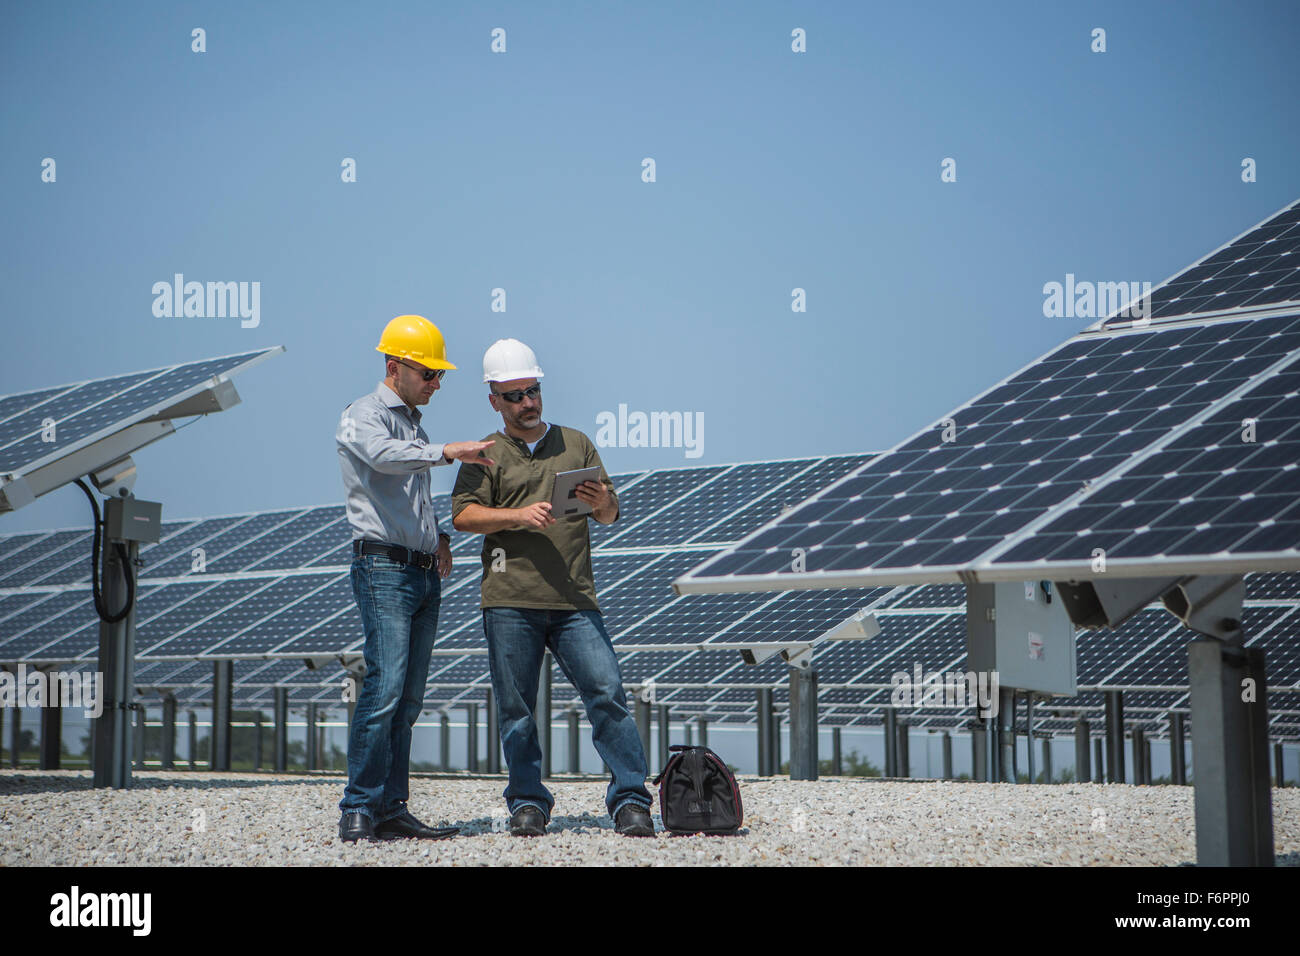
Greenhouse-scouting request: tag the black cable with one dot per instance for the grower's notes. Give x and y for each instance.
(94, 565)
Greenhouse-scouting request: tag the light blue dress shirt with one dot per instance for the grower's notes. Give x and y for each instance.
(386, 456)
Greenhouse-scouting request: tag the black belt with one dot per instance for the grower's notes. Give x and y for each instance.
(420, 559)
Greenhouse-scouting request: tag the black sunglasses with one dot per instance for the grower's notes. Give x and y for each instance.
(515, 396)
(429, 373)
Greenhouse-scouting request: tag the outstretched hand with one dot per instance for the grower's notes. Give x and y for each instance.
(468, 451)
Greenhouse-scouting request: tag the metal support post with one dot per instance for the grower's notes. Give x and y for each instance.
(891, 742)
(904, 751)
(1047, 760)
(575, 749)
(803, 723)
(1114, 736)
(444, 740)
(1138, 750)
(311, 736)
(1082, 751)
(641, 710)
(776, 742)
(471, 738)
(1177, 750)
(979, 751)
(193, 741)
(704, 732)
(1005, 756)
(167, 744)
(112, 763)
(1277, 766)
(947, 755)
(257, 740)
(51, 732)
(837, 754)
(1029, 735)
(1098, 762)
(493, 734)
(664, 732)
(764, 720)
(223, 673)
(281, 698)
(1234, 813)
(137, 733)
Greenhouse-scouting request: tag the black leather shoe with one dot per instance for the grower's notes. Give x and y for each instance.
(634, 820)
(405, 826)
(355, 825)
(528, 821)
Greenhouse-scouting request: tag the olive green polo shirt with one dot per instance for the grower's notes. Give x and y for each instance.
(551, 568)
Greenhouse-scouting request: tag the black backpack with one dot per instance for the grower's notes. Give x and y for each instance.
(697, 793)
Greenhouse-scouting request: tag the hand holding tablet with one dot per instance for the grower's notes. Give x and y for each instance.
(565, 502)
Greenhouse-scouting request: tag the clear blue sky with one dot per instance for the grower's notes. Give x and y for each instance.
(522, 170)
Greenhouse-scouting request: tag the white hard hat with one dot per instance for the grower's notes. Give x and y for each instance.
(509, 359)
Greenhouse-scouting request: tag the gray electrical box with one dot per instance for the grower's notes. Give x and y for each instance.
(130, 519)
(1022, 630)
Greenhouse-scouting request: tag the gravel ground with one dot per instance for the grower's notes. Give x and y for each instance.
(221, 819)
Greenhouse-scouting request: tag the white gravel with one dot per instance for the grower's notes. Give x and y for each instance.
(221, 819)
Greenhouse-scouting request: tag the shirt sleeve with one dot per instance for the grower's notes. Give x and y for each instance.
(361, 432)
(473, 487)
(592, 460)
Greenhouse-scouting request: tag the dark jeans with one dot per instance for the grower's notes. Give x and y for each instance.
(517, 640)
(399, 610)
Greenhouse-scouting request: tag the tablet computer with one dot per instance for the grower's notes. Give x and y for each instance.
(565, 502)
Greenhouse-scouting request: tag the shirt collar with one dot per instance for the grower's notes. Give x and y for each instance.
(393, 400)
(520, 441)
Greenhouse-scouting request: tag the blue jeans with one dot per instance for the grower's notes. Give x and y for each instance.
(399, 611)
(517, 640)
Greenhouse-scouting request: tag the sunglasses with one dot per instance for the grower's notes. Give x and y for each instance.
(430, 374)
(517, 395)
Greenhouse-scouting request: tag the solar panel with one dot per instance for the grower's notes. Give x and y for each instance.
(801, 615)
(48, 424)
(794, 491)
(66, 551)
(1207, 491)
(729, 491)
(1259, 268)
(1272, 587)
(934, 506)
(641, 500)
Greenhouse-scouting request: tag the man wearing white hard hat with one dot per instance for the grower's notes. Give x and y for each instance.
(400, 554)
(538, 592)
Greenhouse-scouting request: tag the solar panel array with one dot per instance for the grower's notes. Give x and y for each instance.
(273, 591)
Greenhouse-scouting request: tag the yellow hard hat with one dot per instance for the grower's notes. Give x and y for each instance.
(414, 337)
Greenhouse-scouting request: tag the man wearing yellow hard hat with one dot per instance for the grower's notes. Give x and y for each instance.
(399, 554)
